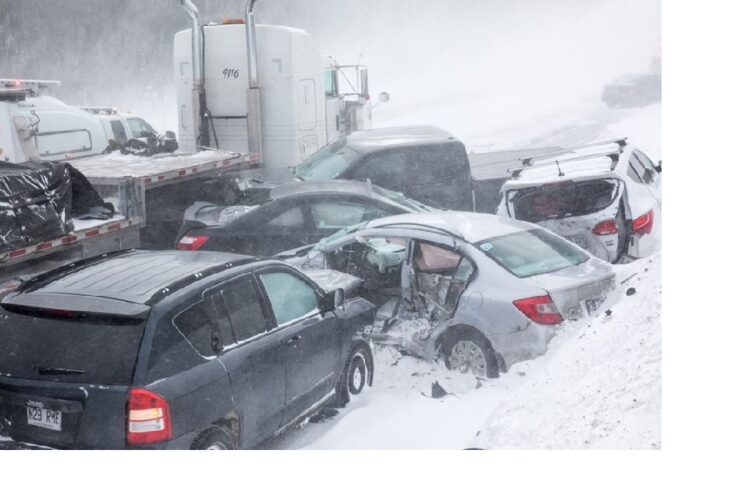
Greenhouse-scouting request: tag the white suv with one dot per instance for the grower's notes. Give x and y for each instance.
(605, 197)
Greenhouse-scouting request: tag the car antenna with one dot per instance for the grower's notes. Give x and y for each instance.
(560, 172)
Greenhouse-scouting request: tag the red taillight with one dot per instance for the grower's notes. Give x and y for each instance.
(605, 227)
(643, 224)
(540, 310)
(148, 419)
(191, 242)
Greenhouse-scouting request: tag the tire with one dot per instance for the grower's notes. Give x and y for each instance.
(356, 375)
(214, 438)
(471, 351)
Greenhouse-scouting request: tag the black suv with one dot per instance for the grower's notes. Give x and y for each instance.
(146, 349)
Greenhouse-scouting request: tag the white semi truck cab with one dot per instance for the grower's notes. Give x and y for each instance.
(263, 89)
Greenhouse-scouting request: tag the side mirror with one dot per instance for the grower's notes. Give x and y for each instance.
(332, 300)
(659, 166)
(170, 134)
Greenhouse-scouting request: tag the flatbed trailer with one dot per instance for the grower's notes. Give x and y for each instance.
(130, 183)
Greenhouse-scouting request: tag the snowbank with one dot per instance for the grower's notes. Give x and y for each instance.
(599, 386)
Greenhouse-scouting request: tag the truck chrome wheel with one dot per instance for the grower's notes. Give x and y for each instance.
(466, 356)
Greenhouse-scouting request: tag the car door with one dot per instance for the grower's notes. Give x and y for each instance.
(312, 339)
(651, 174)
(645, 207)
(440, 176)
(274, 228)
(256, 362)
(388, 169)
(329, 214)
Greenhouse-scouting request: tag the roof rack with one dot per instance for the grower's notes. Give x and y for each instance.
(528, 162)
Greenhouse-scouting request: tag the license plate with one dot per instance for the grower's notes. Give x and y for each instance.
(578, 239)
(43, 417)
(593, 304)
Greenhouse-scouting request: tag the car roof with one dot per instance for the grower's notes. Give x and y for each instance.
(470, 226)
(323, 187)
(137, 277)
(383, 138)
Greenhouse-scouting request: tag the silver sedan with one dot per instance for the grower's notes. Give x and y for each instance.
(487, 291)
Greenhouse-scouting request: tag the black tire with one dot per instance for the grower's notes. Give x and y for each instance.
(494, 361)
(357, 373)
(214, 438)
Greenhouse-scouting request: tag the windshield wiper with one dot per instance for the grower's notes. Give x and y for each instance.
(60, 371)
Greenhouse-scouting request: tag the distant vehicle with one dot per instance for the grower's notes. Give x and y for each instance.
(605, 197)
(294, 215)
(633, 91)
(120, 128)
(492, 289)
(177, 350)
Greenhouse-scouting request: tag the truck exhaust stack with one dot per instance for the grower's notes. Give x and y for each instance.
(200, 120)
(254, 116)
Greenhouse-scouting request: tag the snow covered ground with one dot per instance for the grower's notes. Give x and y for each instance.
(598, 385)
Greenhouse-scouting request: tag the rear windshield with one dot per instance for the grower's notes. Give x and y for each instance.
(562, 200)
(85, 350)
(532, 252)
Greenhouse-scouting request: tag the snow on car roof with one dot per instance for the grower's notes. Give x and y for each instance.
(470, 226)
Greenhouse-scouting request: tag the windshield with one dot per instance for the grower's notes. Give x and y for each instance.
(570, 199)
(532, 252)
(328, 162)
(396, 197)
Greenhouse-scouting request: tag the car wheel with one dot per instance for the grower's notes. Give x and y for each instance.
(357, 373)
(471, 353)
(214, 438)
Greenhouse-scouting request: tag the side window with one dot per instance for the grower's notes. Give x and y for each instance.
(636, 171)
(436, 162)
(244, 309)
(119, 133)
(196, 324)
(139, 127)
(342, 213)
(388, 169)
(650, 172)
(290, 297)
(293, 217)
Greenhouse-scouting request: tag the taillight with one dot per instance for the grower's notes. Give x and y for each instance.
(605, 227)
(643, 224)
(148, 418)
(191, 242)
(540, 310)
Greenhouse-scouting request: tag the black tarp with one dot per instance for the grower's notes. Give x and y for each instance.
(38, 200)
(35, 203)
